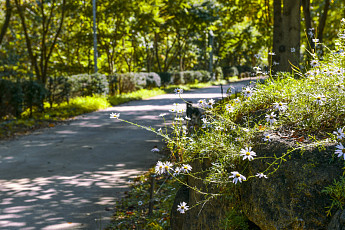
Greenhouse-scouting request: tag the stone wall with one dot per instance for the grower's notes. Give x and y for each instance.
(290, 199)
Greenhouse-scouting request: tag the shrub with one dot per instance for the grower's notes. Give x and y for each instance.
(34, 94)
(219, 73)
(87, 85)
(190, 77)
(59, 90)
(11, 98)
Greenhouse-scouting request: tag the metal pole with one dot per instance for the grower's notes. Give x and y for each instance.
(95, 54)
(211, 54)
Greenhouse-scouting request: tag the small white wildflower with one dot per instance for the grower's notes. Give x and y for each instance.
(182, 207)
(187, 118)
(237, 100)
(140, 203)
(159, 169)
(248, 91)
(280, 106)
(339, 133)
(293, 50)
(261, 175)
(314, 63)
(275, 63)
(320, 99)
(272, 53)
(167, 166)
(155, 149)
(178, 91)
(340, 150)
(237, 177)
(247, 153)
(229, 108)
(271, 118)
(204, 120)
(176, 171)
(159, 130)
(179, 119)
(176, 104)
(162, 114)
(186, 168)
(210, 103)
(267, 137)
(180, 111)
(115, 115)
(173, 110)
(315, 40)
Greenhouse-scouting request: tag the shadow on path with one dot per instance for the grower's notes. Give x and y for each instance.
(65, 177)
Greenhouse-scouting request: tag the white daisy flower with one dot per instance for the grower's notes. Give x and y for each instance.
(280, 106)
(201, 102)
(182, 207)
(339, 133)
(186, 168)
(115, 115)
(275, 63)
(204, 120)
(267, 137)
(159, 169)
(176, 171)
(340, 150)
(248, 91)
(210, 103)
(314, 63)
(271, 118)
(155, 149)
(293, 50)
(237, 177)
(229, 108)
(140, 203)
(247, 153)
(237, 100)
(178, 91)
(272, 53)
(187, 118)
(261, 175)
(167, 166)
(162, 114)
(315, 40)
(320, 99)
(179, 119)
(173, 110)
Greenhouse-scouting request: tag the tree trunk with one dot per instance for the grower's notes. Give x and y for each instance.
(7, 20)
(322, 21)
(286, 34)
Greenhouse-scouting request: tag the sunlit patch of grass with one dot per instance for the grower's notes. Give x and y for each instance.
(137, 95)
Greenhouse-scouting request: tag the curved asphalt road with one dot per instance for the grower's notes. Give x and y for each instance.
(65, 177)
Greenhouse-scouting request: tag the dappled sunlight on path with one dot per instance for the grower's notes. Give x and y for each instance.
(70, 176)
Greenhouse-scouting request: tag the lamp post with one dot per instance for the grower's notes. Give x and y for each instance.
(95, 54)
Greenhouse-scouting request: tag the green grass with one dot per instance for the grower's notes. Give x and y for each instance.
(81, 105)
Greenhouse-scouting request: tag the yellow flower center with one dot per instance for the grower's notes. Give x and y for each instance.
(160, 167)
(238, 175)
(271, 117)
(248, 153)
(318, 98)
(182, 207)
(280, 104)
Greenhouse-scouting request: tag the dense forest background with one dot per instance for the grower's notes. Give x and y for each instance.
(45, 38)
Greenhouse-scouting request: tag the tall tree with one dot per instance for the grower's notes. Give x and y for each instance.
(40, 53)
(286, 34)
(7, 20)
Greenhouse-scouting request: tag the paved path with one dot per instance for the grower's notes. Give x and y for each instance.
(65, 177)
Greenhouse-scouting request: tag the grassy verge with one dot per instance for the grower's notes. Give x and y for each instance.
(80, 105)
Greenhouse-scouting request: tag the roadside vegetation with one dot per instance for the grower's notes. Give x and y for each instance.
(306, 107)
